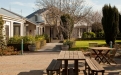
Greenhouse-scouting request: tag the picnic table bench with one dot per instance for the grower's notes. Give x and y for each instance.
(93, 66)
(55, 65)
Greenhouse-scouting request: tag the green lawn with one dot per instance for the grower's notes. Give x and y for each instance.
(84, 44)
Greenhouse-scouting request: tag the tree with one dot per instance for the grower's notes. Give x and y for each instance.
(68, 24)
(2, 38)
(97, 27)
(76, 8)
(110, 22)
(120, 23)
(96, 16)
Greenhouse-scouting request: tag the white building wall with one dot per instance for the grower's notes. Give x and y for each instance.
(22, 29)
(8, 24)
(11, 29)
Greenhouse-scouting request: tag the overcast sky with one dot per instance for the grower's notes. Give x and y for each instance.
(26, 7)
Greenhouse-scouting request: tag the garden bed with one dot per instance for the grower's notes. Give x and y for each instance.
(18, 46)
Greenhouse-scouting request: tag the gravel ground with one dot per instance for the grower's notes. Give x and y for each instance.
(25, 64)
(35, 63)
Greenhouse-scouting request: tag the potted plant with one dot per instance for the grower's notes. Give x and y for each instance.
(65, 46)
(31, 41)
(69, 43)
(32, 47)
(47, 38)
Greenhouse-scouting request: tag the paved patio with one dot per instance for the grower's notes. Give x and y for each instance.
(35, 63)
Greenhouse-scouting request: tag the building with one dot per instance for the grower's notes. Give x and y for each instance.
(80, 28)
(39, 17)
(15, 24)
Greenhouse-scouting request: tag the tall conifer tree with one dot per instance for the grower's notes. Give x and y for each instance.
(110, 22)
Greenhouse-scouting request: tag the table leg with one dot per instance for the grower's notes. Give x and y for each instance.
(104, 57)
(76, 67)
(66, 67)
(98, 55)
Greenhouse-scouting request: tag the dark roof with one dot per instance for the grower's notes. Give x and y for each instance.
(38, 11)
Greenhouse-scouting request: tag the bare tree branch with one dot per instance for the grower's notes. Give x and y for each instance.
(56, 8)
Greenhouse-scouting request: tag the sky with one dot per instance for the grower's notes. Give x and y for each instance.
(26, 7)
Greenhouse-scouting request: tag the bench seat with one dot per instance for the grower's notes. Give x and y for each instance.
(55, 65)
(93, 66)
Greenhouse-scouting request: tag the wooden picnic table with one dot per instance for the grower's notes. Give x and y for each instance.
(71, 55)
(99, 53)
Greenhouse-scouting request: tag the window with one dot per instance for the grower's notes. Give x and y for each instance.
(16, 30)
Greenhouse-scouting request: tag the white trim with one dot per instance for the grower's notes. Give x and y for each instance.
(22, 29)
(11, 29)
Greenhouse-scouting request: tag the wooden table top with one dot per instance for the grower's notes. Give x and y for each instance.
(101, 48)
(71, 55)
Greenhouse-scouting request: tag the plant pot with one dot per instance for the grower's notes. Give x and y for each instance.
(31, 47)
(65, 47)
(38, 44)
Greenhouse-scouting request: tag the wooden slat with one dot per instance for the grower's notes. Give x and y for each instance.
(76, 57)
(54, 65)
(94, 65)
(58, 65)
(51, 65)
(75, 52)
(81, 55)
(90, 64)
(97, 64)
(66, 56)
(61, 55)
(71, 54)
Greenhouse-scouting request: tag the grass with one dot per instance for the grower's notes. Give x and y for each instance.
(84, 44)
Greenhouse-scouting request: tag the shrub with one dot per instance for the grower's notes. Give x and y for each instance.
(88, 35)
(18, 39)
(46, 36)
(15, 40)
(39, 37)
(28, 39)
(70, 43)
(101, 34)
(9, 51)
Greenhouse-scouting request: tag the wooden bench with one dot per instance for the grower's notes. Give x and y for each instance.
(93, 66)
(55, 65)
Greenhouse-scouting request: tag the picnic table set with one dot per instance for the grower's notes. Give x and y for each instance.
(102, 57)
(92, 65)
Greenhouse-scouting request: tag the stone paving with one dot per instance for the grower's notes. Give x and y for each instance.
(35, 63)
